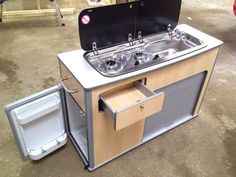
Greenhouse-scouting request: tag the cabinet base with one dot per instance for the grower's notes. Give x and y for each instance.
(164, 130)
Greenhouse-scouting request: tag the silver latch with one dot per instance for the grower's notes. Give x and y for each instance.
(140, 38)
(130, 39)
(169, 30)
(95, 49)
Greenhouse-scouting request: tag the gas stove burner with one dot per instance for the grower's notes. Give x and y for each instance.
(140, 56)
(111, 66)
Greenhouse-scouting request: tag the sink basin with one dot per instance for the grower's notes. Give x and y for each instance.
(175, 45)
(171, 47)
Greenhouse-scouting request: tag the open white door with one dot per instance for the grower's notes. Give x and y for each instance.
(38, 123)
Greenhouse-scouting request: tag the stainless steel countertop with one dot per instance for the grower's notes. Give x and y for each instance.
(89, 78)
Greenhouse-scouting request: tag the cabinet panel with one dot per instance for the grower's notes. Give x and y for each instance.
(180, 101)
(182, 70)
(72, 84)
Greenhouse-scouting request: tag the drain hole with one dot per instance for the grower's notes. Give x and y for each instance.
(156, 57)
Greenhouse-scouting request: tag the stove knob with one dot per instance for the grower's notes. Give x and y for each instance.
(136, 63)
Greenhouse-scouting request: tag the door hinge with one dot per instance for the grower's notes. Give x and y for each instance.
(130, 39)
(140, 38)
(95, 49)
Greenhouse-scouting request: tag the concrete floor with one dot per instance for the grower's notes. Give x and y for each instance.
(203, 147)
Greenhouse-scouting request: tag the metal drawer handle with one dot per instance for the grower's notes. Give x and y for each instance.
(64, 86)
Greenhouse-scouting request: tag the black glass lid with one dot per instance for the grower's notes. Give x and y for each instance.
(111, 25)
(106, 25)
(153, 16)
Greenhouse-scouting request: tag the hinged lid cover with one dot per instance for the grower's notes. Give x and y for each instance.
(111, 25)
(154, 16)
(106, 26)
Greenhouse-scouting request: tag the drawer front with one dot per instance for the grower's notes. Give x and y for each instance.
(72, 86)
(139, 111)
(131, 104)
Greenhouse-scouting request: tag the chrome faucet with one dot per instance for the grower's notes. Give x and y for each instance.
(180, 34)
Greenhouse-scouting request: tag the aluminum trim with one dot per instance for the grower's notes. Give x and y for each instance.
(89, 118)
(143, 89)
(78, 150)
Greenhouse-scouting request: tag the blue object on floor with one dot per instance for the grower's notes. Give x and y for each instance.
(1, 2)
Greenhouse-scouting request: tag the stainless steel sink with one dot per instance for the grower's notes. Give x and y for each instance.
(173, 46)
(151, 50)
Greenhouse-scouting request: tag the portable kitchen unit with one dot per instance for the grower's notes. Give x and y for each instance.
(137, 76)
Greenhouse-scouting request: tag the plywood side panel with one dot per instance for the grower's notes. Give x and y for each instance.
(181, 70)
(73, 84)
(213, 57)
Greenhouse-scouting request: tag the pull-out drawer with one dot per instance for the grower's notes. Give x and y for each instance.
(72, 86)
(131, 104)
